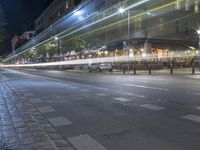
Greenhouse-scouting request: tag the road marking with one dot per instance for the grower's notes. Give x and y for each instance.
(152, 107)
(46, 109)
(147, 87)
(35, 100)
(193, 93)
(59, 121)
(73, 87)
(192, 118)
(134, 95)
(197, 94)
(101, 94)
(85, 90)
(121, 99)
(59, 97)
(85, 142)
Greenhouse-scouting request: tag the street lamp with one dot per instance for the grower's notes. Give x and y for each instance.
(121, 11)
(198, 32)
(55, 38)
(58, 46)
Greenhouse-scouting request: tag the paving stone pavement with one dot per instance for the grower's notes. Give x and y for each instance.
(22, 126)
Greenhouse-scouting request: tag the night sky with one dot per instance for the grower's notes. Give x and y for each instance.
(21, 14)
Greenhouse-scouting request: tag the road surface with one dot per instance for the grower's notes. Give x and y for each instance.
(101, 111)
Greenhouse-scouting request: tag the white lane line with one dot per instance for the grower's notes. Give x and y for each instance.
(152, 107)
(46, 109)
(59, 97)
(146, 87)
(121, 99)
(193, 93)
(85, 142)
(134, 95)
(101, 94)
(85, 90)
(73, 87)
(192, 118)
(147, 81)
(59, 121)
(197, 94)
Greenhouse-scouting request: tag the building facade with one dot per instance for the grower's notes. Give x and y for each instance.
(14, 41)
(55, 11)
(147, 26)
(18, 41)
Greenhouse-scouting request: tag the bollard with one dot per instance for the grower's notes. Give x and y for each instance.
(193, 68)
(134, 69)
(124, 70)
(150, 67)
(128, 67)
(171, 68)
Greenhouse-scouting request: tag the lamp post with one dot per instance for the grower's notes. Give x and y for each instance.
(58, 46)
(121, 11)
(198, 32)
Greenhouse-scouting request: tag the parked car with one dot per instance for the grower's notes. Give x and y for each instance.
(100, 67)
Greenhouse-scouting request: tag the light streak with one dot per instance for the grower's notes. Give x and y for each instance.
(100, 60)
(57, 35)
(98, 29)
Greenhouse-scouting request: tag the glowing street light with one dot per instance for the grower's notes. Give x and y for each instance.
(144, 55)
(121, 10)
(198, 31)
(56, 38)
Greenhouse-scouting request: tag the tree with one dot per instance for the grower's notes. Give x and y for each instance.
(76, 44)
(3, 24)
(1, 59)
(51, 49)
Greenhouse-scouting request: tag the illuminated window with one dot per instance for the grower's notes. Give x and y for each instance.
(196, 6)
(59, 14)
(160, 24)
(178, 4)
(67, 5)
(137, 23)
(187, 5)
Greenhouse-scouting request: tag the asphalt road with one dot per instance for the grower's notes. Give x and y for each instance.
(102, 111)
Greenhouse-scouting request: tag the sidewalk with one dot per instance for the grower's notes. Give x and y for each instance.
(179, 71)
(22, 127)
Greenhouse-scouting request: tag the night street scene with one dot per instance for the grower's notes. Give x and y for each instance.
(99, 74)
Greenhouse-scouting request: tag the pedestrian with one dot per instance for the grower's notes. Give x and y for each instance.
(124, 69)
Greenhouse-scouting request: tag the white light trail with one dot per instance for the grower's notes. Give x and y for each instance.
(58, 36)
(102, 60)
